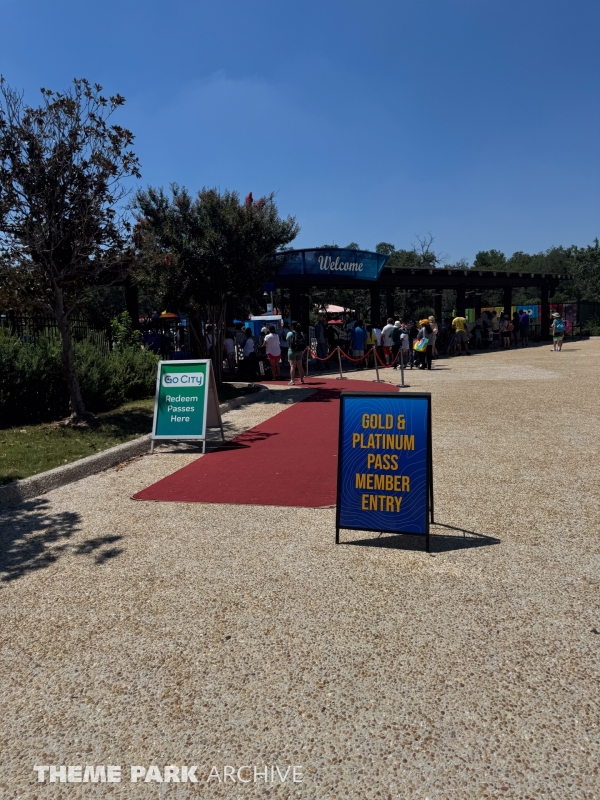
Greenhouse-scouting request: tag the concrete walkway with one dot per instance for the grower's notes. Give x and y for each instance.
(228, 636)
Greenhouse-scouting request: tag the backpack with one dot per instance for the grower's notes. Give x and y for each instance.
(396, 335)
(559, 325)
(298, 343)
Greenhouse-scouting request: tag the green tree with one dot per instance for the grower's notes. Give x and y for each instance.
(585, 269)
(61, 231)
(385, 248)
(490, 260)
(199, 252)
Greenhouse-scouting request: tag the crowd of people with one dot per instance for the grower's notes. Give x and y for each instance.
(394, 343)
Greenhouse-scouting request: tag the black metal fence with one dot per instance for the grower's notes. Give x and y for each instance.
(29, 328)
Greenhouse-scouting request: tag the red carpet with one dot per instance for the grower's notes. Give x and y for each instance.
(289, 460)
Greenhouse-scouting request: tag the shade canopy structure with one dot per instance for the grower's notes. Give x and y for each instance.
(362, 269)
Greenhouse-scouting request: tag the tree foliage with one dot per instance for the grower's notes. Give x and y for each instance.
(199, 252)
(585, 269)
(61, 232)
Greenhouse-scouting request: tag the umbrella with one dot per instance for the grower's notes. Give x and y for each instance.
(335, 322)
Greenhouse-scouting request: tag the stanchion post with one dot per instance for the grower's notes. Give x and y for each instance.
(401, 352)
(377, 380)
(307, 351)
(341, 375)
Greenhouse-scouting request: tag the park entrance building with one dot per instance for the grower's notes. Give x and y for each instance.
(362, 269)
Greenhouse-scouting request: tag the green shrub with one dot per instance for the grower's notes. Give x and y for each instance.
(123, 333)
(32, 387)
(592, 327)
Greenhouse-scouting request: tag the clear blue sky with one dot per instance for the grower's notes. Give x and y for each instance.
(476, 120)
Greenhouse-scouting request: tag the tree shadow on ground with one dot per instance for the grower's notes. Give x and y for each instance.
(10, 478)
(33, 537)
(127, 422)
(438, 542)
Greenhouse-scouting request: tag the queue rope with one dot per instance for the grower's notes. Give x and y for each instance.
(318, 358)
(388, 366)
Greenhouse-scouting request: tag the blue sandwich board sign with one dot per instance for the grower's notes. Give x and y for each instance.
(385, 474)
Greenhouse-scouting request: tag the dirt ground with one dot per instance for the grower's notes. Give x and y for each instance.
(241, 640)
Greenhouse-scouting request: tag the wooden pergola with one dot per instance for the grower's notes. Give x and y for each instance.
(469, 283)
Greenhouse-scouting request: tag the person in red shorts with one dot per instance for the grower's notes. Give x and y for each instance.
(386, 339)
(273, 350)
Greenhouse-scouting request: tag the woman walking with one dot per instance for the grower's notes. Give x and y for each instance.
(296, 347)
(435, 329)
(426, 332)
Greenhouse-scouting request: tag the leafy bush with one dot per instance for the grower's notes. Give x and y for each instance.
(123, 333)
(32, 387)
(592, 327)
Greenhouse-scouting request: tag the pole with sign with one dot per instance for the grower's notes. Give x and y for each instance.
(385, 472)
(186, 402)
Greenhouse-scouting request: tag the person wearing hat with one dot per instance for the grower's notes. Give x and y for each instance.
(558, 331)
(396, 342)
(426, 332)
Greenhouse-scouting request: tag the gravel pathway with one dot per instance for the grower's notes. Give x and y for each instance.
(228, 636)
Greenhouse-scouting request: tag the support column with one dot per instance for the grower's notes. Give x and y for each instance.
(295, 309)
(545, 320)
(132, 302)
(375, 305)
(461, 304)
(389, 302)
(437, 307)
(281, 303)
(304, 313)
(508, 301)
(477, 305)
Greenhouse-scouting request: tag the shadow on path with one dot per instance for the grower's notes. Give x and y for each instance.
(438, 543)
(32, 537)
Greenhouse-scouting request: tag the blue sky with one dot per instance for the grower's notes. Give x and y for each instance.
(475, 120)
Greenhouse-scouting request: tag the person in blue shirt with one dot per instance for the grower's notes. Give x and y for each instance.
(359, 337)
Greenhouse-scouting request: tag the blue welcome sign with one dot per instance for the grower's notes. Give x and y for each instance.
(334, 262)
(385, 478)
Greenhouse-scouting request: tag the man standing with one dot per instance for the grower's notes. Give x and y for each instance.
(386, 339)
(404, 341)
(321, 337)
(524, 328)
(359, 337)
(495, 325)
(396, 343)
(377, 332)
(462, 334)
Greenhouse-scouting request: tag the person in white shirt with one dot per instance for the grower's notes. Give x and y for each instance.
(283, 342)
(405, 342)
(273, 350)
(250, 361)
(386, 339)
